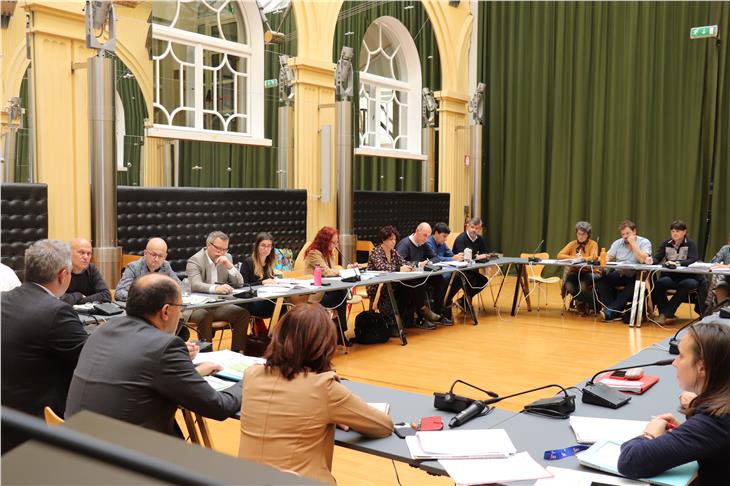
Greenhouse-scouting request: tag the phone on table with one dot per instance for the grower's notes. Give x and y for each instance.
(403, 430)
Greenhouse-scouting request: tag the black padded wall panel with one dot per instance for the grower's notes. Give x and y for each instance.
(24, 220)
(404, 210)
(184, 216)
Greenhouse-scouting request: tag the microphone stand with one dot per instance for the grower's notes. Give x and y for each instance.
(674, 342)
(605, 396)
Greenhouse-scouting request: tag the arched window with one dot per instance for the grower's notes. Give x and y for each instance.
(208, 71)
(389, 92)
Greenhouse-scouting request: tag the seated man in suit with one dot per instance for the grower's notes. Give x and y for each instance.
(87, 284)
(153, 261)
(211, 271)
(135, 369)
(416, 252)
(442, 252)
(41, 335)
(474, 241)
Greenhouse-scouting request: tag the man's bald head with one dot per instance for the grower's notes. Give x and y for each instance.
(155, 298)
(80, 254)
(423, 231)
(155, 253)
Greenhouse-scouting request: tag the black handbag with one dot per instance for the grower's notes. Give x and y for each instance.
(371, 328)
(256, 344)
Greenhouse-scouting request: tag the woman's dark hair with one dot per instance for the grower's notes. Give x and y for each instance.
(386, 232)
(711, 344)
(678, 225)
(322, 241)
(267, 271)
(305, 340)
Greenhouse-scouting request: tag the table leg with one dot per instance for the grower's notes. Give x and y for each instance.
(501, 284)
(190, 424)
(520, 269)
(275, 316)
(448, 290)
(204, 434)
(469, 307)
(398, 321)
(642, 294)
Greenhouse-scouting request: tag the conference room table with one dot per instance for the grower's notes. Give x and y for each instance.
(531, 433)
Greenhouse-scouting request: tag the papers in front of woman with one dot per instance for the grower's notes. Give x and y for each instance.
(571, 477)
(233, 363)
(460, 444)
(589, 430)
(517, 467)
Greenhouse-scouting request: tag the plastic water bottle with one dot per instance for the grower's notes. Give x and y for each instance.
(603, 257)
(467, 255)
(317, 276)
(185, 287)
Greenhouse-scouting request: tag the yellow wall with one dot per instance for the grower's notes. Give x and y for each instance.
(62, 151)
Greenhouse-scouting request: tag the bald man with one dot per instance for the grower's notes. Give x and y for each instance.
(153, 261)
(87, 284)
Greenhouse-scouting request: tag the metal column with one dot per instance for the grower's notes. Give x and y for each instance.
(343, 155)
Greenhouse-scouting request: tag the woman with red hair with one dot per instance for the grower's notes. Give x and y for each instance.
(321, 254)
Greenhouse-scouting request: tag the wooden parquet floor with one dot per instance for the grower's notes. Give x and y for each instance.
(502, 353)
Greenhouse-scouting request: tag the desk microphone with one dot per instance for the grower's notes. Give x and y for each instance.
(557, 406)
(674, 342)
(476, 409)
(605, 396)
(533, 258)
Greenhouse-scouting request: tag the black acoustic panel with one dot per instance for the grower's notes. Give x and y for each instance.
(24, 220)
(404, 210)
(184, 216)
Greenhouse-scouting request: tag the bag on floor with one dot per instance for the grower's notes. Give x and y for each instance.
(371, 328)
(258, 339)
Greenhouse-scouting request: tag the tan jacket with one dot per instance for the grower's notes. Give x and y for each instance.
(197, 271)
(313, 259)
(291, 424)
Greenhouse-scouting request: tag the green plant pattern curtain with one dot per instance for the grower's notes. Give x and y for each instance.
(603, 111)
(209, 164)
(386, 173)
(22, 140)
(135, 112)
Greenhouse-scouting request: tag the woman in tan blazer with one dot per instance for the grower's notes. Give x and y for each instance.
(321, 254)
(292, 403)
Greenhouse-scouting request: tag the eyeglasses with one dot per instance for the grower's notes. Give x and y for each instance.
(156, 256)
(218, 247)
(266, 245)
(176, 305)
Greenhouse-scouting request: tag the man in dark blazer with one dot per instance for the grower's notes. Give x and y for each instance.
(211, 271)
(135, 369)
(41, 335)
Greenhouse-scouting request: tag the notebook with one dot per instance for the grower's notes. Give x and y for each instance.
(629, 386)
(604, 456)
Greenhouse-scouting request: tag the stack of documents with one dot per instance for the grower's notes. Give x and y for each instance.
(460, 444)
(604, 456)
(517, 467)
(572, 477)
(629, 386)
(589, 430)
(451, 263)
(233, 363)
(701, 265)
(197, 299)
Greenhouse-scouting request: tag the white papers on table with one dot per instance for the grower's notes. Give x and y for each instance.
(460, 444)
(624, 385)
(517, 467)
(571, 477)
(217, 384)
(701, 265)
(548, 260)
(382, 406)
(604, 456)
(589, 430)
(370, 274)
(451, 263)
(272, 290)
(612, 264)
(84, 307)
(233, 363)
(197, 299)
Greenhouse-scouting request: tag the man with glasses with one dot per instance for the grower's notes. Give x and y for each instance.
(135, 369)
(211, 271)
(153, 261)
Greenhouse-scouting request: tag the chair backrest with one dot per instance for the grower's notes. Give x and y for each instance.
(298, 269)
(535, 270)
(451, 238)
(51, 417)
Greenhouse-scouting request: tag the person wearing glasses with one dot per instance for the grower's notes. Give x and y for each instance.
(211, 271)
(136, 370)
(258, 269)
(153, 261)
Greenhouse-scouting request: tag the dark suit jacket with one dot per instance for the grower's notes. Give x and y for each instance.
(41, 341)
(132, 371)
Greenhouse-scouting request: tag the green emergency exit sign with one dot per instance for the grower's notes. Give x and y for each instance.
(703, 32)
(271, 83)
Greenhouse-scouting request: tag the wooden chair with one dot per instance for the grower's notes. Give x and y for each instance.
(51, 417)
(534, 275)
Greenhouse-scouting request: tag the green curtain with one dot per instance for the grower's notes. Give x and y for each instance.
(22, 140)
(598, 111)
(385, 173)
(135, 112)
(208, 164)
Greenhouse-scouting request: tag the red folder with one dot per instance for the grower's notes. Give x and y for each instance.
(636, 387)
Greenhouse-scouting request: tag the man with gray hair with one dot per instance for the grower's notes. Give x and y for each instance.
(211, 271)
(42, 336)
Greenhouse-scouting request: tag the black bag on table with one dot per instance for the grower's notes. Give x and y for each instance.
(371, 328)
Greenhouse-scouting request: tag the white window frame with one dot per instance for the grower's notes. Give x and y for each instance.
(253, 52)
(411, 65)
